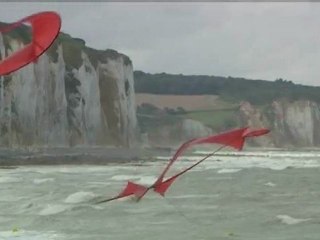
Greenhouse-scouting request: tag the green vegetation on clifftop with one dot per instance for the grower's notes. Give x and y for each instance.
(231, 89)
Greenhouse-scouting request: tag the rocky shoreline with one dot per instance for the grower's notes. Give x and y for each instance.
(105, 155)
(71, 156)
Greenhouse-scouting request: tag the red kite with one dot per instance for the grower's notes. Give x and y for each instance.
(45, 29)
(235, 138)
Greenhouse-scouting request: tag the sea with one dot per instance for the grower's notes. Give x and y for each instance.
(249, 195)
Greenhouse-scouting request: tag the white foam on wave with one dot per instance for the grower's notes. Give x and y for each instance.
(270, 184)
(80, 197)
(42, 180)
(124, 177)
(28, 235)
(140, 179)
(147, 180)
(72, 169)
(276, 154)
(290, 220)
(256, 162)
(52, 209)
(183, 157)
(163, 222)
(241, 160)
(89, 168)
(11, 198)
(202, 207)
(229, 170)
(97, 207)
(100, 183)
(194, 196)
(10, 180)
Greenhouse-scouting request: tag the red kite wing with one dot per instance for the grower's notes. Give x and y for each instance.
(256, 133)
(162, 187)
(232, 138)
(45, 29)
(130, 189)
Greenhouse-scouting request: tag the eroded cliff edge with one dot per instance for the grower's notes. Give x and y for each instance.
(73, 95)
(293, 123)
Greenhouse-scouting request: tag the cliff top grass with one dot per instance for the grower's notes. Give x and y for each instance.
(230, 89)
(216, 119)
(23, 33)
(72, 47)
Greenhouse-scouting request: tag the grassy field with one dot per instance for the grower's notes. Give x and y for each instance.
(215, 119)
(187, 102)
(209, 110)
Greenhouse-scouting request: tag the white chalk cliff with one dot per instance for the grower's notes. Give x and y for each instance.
(292, 123)
(53, 103)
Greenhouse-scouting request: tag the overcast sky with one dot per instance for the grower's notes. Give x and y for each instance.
(251, 40)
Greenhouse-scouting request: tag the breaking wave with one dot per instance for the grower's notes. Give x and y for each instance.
(80, 197)
(52, 209)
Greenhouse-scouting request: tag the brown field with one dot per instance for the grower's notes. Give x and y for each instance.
(188, 102)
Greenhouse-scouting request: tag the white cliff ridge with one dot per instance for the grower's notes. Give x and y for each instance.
(118, 98)
(291, 123)
(50, 103)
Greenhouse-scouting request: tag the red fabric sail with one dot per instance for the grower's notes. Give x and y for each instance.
(133, 189)
(232, 138)
(162, 186)
(255, 133)
(45, 29)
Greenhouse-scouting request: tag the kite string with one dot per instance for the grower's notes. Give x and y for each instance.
(177, 209)
(196, 164)
(185, 217)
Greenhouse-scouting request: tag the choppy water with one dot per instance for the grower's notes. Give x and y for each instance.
(261, 195)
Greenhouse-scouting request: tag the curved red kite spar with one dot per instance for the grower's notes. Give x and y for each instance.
(45, 29)
(235, 138)
(163, 186)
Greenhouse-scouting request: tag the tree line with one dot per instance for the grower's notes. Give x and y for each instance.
(229, 88)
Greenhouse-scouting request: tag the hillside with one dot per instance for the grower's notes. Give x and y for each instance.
(214, 104)
(231, 89)
(187, 102)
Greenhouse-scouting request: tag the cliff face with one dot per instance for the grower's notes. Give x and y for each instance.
(174, 132)
(72, 95)
(292, 123)
(193, 129)
(118, 99)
